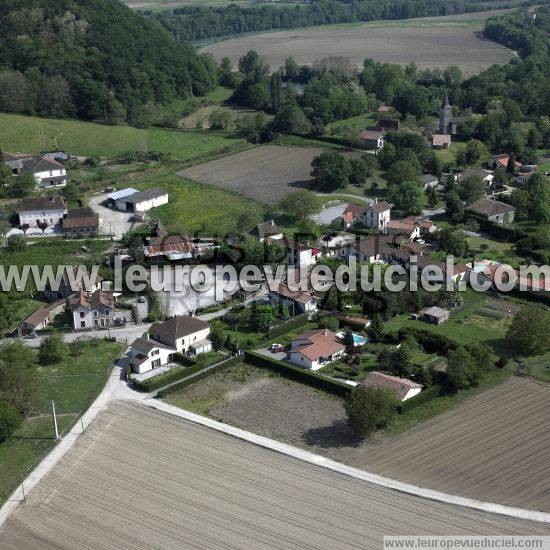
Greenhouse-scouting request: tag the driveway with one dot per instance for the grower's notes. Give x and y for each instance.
(280, 355)
(330, 213)
(115, 222)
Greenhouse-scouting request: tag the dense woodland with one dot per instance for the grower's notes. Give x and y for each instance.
(199, 23)
(94, 59)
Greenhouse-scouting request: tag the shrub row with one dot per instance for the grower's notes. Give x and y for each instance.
(203, 372)
(298, 373)
(287, 326)
(161, 380)
(500, 232)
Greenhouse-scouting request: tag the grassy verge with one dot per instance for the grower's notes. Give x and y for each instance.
(73, 384)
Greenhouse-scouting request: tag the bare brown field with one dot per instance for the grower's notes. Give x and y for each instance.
(142, 479)
(494, 447)
(428, 42)
(266, 174)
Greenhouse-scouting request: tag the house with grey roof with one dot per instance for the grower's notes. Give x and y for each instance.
(40, 211)
(494, 211)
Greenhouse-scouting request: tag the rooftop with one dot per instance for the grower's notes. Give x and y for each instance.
(178, 327)
(489, 207)
(320, 343)
(296, 295)
(81, 217)
(51, 202)
(401, 386)
(122, 193)
(146, 195)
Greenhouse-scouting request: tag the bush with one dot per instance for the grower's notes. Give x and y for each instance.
(331, 323)
(432, 343)
(370, 409)
(52, 350)
(10, 420)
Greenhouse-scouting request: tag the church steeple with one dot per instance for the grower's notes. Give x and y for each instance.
(446, 117)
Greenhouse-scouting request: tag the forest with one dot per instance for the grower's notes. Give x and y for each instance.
(93, 59)
(200, 23)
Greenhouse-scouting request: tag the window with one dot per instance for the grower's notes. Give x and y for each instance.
(96, 313)
(107, 313)
(82, 315)
(82, 324)
(155, 352)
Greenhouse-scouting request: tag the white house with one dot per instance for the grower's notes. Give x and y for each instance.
(143, 201)
(373, 138)
(364, 249)
(297, 301)
(494, 211)
(402, 387)
(47, 172)
(378, 215)
(91, 309)
(42, 210)
(299, 254)
(179, 334)
(314, 349)
(267, 229)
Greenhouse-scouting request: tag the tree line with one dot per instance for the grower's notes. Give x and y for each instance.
(199, 23)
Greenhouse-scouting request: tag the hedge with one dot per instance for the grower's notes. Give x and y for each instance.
(298, 373)
(501, 232)
(431, 342)
(287, 326)
(203, 373)
(423, 397)
(163, 379)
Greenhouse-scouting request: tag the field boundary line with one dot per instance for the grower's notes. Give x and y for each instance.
(349, 471)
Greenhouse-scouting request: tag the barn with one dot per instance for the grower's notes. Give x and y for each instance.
(142, 201)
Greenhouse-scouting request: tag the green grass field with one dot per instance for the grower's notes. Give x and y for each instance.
(27, 134)
(73, 384)
(448, 156)
(195, 206)
(496, 250)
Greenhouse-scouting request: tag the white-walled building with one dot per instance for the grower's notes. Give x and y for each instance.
(143, 201)
(179, 334)
(92, 310)
(314, 349)
(47, 172)
(42, 210)
(378, 215)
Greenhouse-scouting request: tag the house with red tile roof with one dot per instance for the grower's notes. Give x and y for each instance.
(297, 301)
(92, 309)
(402, 387)
(315, 348)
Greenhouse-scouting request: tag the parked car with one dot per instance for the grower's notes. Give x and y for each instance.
(276, 348)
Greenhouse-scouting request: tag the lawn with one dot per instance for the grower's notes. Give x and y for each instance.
(465, 326)
(32, 135)
(73, 384)
(197, 207)
(358, 122)
(497, 251)
(448, 156)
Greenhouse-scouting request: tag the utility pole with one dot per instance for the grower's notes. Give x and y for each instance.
(55, 421)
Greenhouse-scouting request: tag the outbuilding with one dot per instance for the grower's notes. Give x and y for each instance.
(435, 315)
(143, 201)
(112, 198)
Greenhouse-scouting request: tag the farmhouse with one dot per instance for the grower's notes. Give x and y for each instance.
(373, 138)
(364, 249)
(46, 172)
(297, 301)
(413, 228)
(91, 309)
(81, 222)
(435, 315)
(494, 211)
(265, 230)
(315, 348)
(179, 334)
(299, 254)
(429, 180)
(73, 279)
(35, 211)
(142, 201)
(402, 387)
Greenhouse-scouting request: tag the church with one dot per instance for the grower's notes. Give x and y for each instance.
(447, 125)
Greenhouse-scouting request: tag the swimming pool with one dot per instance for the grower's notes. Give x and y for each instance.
(358, 339)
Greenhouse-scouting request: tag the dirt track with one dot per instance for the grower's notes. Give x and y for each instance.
(141, 479)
